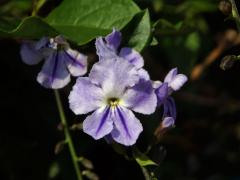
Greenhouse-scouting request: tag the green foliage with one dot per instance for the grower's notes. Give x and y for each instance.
(84, 20)
(182, 51)
(180, 31)
(138, 31)
(142, 159)
(15, 8)
(191, 7)
(30, 28)
(81, 21)
(164, 27)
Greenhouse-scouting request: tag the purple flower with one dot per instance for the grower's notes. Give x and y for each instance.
(108, 48)
(60, 61)
(172, 82)
(112, 91)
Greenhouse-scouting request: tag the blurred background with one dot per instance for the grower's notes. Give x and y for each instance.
(193, 35)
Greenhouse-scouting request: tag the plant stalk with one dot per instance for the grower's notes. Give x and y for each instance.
(68, 138)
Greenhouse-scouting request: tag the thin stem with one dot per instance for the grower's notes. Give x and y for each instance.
(68, 138)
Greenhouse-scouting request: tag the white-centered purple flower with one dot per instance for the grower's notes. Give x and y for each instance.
(172, 82)
(60, 61)
(109, 47)
(112, 91)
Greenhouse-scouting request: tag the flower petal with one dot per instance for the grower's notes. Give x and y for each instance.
(178, 81)
(99, 123)
(126, 126)
(169, 107)
(162, 93)
(170, 76)
(29, 54)
(156, 84)
(172, 107)
(114, 76)
(143, 74)
(54, 73)
(85, 96)
(75, 61)
(104, 51)
(114, 39)
(132, 56)
(141, 98)
(42, 43)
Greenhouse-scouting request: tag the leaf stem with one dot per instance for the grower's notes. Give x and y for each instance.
(68, 138)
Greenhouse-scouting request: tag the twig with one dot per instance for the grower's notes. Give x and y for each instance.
(228, 40)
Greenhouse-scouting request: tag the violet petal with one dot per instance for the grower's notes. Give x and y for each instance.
(54, 73)
(104, 51)
(114, 39)
(114, 75)
(85, 96)
(162, 93)
(126, 126)
(178, 81)
(141, 98)
(75, 62)
(29, 54)
(99, 123)
(171, 74)
(132, 57)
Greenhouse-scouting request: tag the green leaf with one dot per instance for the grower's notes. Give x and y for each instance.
(83, 20)
(30, 27)
(154, 42)
(197, 6)
(164, 27)
(142, 159)
(186, 49)
(193, 42)
(138, 31)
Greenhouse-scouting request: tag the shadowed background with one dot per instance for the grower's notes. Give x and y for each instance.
(204, 145)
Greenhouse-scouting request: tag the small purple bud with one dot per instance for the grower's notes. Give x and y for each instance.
(168, 122)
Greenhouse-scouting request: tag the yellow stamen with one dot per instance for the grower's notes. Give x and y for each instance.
(113, 102)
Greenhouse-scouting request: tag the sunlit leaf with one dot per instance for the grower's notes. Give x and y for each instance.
(142, 159)
(138, 31)
(84, 20)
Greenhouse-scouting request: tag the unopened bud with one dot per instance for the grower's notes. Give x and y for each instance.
(78, 126)
(90, 175)
(59, 147)
(227, 62)
(86, 163)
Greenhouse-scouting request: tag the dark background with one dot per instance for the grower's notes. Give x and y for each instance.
(204, 145)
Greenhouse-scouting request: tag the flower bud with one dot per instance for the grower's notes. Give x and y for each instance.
(227, 62)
